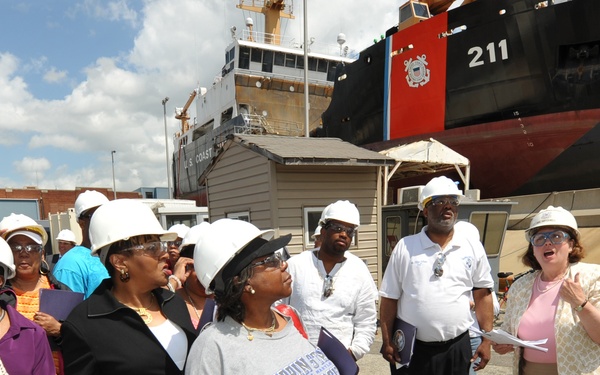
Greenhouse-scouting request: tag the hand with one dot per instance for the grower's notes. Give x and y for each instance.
(180, 270)
(390, 353)
(503, 348)
(572, 292)
(484, 354)
(48, 323)
(352, 354)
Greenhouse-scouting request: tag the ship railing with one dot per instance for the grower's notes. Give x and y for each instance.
(291, 42)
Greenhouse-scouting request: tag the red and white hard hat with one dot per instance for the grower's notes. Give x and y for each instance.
(552, 217)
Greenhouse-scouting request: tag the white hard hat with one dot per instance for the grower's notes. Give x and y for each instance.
(227, 238)
(19, 224)
(343, 211)
(122, 219)
(7, 260)
(438, 186)
(552, 217)
(180, 229)
(88, 199)
(194, 234)
(317, 232)
(66, 235)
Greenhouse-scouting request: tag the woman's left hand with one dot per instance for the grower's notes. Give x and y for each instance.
(48, 323)
(572, 292)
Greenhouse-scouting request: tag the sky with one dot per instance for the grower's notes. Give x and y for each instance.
(80, 79)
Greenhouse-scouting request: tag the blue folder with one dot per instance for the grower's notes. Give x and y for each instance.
(337, 353)
(59, 303)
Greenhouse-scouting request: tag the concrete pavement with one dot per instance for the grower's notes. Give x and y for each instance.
(373, 362)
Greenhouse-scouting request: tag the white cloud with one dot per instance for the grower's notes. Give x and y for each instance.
(117, 106)
(54, 76)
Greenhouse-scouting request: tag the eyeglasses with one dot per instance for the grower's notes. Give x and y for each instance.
(28, 249)
(557, 237)
(327, 286)
(274, 261)
(339, 228)
(173, 243)
(439, 262)
(443, 201)
(154, 249)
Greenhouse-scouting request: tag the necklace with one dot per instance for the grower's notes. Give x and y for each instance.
(191, 301)
(551, 284)
(267, 331)
(143, 311)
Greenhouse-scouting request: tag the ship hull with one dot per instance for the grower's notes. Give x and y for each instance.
(517, 91)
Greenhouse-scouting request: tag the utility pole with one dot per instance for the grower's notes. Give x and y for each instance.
(112, 156)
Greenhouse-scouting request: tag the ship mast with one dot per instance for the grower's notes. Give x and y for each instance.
(274, 11)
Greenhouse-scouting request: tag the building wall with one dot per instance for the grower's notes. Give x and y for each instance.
(275, 196)
(55, 201)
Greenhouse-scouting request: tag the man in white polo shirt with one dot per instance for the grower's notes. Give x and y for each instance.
(428, 283)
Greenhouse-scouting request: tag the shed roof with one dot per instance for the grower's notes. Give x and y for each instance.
(310, 151)
(289, 150)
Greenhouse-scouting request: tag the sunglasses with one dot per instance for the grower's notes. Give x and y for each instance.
(173, 243)
(274, 261)
(328, 286)
(28, 249)
(444, 201)
(557, 237)
(339, 228)
(154, 249)
(438, 271)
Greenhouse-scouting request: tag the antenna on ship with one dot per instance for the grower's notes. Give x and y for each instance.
(341, 39)
(250, 25)
(274, 11)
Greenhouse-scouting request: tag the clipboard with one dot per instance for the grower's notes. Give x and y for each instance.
(337, 353)
(59, 303)
(404, 336)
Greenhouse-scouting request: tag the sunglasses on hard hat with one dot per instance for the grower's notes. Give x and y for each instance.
(338, 228)
(557, 237)
(154, 249)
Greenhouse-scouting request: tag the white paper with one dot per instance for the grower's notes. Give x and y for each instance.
(502, 337)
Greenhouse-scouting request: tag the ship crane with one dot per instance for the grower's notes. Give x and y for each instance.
(182, 113)
(274, 11)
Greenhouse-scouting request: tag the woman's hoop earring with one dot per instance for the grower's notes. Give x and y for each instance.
(124, 276)
(44, 268)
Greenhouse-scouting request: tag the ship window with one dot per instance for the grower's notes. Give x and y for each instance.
(267, 63)
(279, 58)
(290, 61)
(231, 55)
(244, 62)
(226, 115)
(405, 12)
(312, 64)
(322, 65)
(331, 71)
(421, 10)
(300, 62)
(256, 55)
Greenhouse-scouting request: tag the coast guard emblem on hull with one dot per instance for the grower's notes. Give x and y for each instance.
(417, 72)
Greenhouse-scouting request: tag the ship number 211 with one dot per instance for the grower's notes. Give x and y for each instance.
(479, 58)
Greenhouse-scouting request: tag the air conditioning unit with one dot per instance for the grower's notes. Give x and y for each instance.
(409, 194)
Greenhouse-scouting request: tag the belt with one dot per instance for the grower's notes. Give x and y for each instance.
(442, 343)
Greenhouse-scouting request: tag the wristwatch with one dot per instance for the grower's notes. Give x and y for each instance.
(580, 307)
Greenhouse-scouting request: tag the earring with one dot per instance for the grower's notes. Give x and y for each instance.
(252, 291)
(124, 276)
(44, 268)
